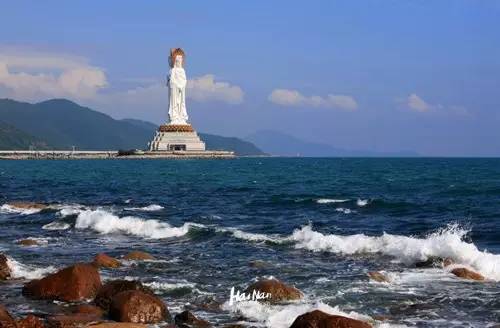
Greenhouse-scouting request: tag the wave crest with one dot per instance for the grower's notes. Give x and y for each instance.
(105, 222)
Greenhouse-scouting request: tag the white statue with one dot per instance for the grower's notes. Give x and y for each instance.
(177, 89)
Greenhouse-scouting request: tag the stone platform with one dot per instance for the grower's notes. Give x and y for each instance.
(173, 137)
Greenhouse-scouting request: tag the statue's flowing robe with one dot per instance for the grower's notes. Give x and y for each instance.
(177, 96)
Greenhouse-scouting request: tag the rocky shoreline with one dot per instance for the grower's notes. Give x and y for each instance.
(87, 301)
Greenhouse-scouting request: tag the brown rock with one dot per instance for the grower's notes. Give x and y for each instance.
(74, 283)
(27, 205)
(278, 291)
(186, 319)
(118, 325)
(106, 261)
(138, 256)
(28, 242)
(319, 319)
(138, 307)
(71, 320)
(467, 274)
(111, 288)
(378, 276)
(88, 309)
(5, 317)
(30, 322)
(4, 267)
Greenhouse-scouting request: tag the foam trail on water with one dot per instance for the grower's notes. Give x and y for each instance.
(56, 225)
(344, 210)
(443, 243)
(149, 208)
(329, 200)
(105, 222)
(23, 271)
(256, 237)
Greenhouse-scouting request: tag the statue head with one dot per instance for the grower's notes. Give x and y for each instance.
(176, 58)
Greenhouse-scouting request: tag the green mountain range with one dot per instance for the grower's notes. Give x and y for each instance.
(61, 124)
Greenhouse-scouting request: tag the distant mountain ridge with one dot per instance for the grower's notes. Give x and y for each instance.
(281, 144)
(61, 124)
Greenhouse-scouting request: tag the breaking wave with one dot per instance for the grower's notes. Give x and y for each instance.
(255, 237)
(56, 225)
(445, 243)
(282, 316)
(23, 271)
(106, 222)
(362, 202)
(329, 200)
(149, 208)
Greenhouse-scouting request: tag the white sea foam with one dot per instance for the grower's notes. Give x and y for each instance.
(23, 271)
(282, 316)
(167, 286)
(344, 210)
(106, 222)
(330, 200)
(362, 202)
(56, 225)
(10, 209)
(149, 208)
(444, 243)
(255, 237)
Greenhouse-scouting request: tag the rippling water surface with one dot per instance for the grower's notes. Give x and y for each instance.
(320, 224)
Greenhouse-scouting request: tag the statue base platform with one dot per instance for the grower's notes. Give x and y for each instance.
(176, 137)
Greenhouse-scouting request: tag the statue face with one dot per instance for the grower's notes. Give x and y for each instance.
(178, 61)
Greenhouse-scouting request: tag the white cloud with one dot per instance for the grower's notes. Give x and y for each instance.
(37, 76)
(205, 88)
(286, 97)
(416, 103)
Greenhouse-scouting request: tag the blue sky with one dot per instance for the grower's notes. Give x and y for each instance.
(376, 75)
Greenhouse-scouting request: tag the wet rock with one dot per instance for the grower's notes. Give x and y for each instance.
(188, 320)
(277, 290)
(258, 264)
(5, 317)
(378, 276)
(28, 205)
(118, 325)
(467, 274)
(4, 267)
(138, 256)
(74, 283)
(28, 242)
(106, 261)
(431, 262)
(381, 317)
(447, 262)
(88, 309)
(30, 321)
(111, 288)
(207, 304)
(319, 319)
(138, 307)
(71, 320)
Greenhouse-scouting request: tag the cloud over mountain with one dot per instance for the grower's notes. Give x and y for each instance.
(35, 76)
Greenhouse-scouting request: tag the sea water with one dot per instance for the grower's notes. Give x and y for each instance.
(318, 224)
